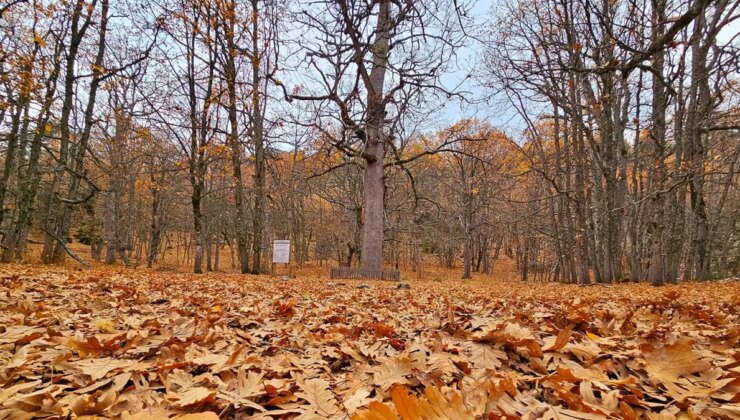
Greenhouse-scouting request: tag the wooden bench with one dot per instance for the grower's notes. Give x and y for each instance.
(357, 273)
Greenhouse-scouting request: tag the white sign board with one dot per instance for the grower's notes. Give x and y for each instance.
(281, 251)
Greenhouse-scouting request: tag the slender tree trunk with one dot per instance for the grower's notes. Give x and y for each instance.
(155, 233)
(699, 109)
(656, 273)
(197, 230)
(21, 109)
(53, 203)
(209, 249)
(233, 139)
(258, 232)
(30, 177)
(63, 218)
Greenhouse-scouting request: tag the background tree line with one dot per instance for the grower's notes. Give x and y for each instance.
(196, 132)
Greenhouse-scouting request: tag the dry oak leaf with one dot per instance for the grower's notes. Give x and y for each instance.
(21, 334)
(433, 407)
(94, 404)
(19, 358)
(520, 336)
(42, 400)
(247, 384)
(316, 392)
(485, 356)
(357, 399)
(443, 363)
(562, 339)
(206, 415)
(549, 412)
(392, 371)
(92, 345)
(483, 392)
(705, 385)
(515, 335)
(162, 413)
(190, 396)
(727, 411)
(672, 361)
(9, 392)
(98, 368)
(11, 414)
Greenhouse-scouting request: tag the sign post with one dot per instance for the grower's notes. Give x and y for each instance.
(281, 254)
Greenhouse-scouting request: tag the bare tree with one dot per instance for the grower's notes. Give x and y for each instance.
(372, 62)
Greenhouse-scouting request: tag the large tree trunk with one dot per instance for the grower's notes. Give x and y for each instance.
(374, 153)
(372, 228)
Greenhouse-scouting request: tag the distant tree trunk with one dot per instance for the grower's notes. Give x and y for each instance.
(96, 249)
(524, 262)
(155, 232)
(416, 245)
(216, 252)
(111, 237)
(467, 221)
(467, 258)
(195, 201)
(415, 257)
(496, 251)
(350, 254)
(209, 252)
(449, 257)
(232, 261)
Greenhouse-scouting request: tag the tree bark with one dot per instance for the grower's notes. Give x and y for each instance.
(62, 223)
(374, 189)
(258, 226)
(656, 272)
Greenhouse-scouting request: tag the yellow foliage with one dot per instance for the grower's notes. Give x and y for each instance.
(105, 325)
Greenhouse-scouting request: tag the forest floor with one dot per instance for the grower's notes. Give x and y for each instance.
(135, 344)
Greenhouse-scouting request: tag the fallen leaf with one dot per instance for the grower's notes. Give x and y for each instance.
(317, 393)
